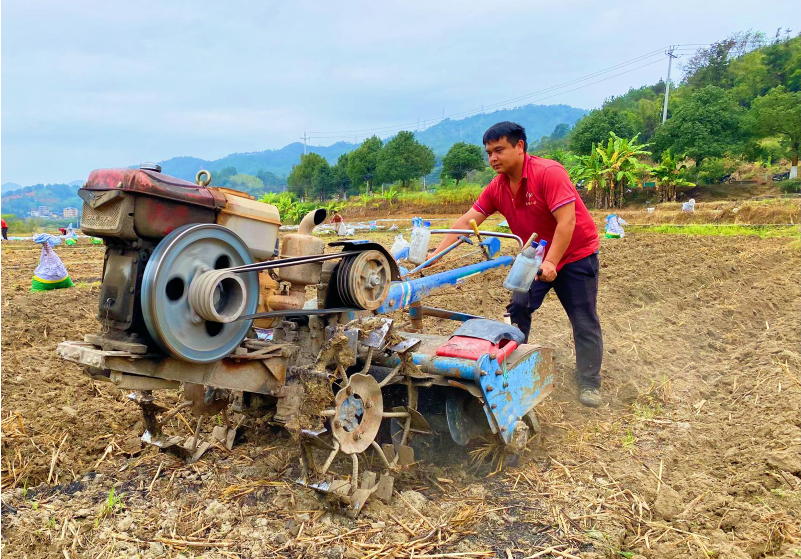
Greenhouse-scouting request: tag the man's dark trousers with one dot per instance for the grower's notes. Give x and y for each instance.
(576, 285)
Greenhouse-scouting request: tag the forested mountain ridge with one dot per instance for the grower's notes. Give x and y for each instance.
(538, 120)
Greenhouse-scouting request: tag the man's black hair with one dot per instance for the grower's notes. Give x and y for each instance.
(511, 130)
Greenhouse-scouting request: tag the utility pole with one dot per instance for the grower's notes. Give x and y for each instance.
(304, 138)
(671, 56)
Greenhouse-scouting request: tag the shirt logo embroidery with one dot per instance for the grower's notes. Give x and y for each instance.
(530, 201)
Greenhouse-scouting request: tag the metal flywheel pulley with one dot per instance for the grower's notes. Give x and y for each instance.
(363, 281)
(189, 302)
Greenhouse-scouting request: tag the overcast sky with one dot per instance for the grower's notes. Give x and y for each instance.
(102, 84)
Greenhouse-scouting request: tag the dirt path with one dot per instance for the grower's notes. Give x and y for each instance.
(695, 454)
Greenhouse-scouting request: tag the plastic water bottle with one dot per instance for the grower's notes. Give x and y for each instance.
(421, 236)
(525, 267)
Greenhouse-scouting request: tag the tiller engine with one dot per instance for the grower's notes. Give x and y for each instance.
(197, 294)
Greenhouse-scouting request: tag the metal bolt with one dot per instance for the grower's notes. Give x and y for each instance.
(483, 373)
(494, 406)
(357, 436)
(503, 429)
(337, 424)
(489, 388)
(506, 385)
(493, 356)
(349, 391)
(368, 404)
(499, 372)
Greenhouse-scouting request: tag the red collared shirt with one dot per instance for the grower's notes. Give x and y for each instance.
(545, 187)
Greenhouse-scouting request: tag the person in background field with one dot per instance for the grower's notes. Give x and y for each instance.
(339, 223)
(62, 230)
(4, 228)
(536, 195)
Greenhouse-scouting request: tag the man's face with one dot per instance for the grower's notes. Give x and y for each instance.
(503, 156)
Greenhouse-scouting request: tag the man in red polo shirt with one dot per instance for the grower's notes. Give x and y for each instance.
(536, 195)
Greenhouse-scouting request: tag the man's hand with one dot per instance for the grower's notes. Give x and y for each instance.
(548, 271)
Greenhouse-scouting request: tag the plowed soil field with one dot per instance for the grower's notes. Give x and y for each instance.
(696, 451)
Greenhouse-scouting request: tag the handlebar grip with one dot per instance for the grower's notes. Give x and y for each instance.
(474, 226)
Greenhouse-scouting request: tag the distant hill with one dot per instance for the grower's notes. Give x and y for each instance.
(539, 120)
(55, 196)
(276, 161)
(9, 186)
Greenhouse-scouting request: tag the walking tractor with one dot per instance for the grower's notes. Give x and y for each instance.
(199, 295)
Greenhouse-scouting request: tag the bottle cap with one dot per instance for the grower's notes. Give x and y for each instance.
(427, 223)
(543, 243)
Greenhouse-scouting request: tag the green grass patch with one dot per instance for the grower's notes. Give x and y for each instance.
(725, 230)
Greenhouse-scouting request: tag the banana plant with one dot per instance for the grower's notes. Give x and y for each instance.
(390, 194)
(589, 170)
(283, 201)
(621, 166)
(667, 176)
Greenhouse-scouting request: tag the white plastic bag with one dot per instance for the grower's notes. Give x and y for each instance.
(688, 206)
(614, 226)
(342, 229)
(399, 244)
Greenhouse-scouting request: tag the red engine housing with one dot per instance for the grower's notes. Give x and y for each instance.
(155, 203)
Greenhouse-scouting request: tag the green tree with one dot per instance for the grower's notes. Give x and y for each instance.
(705, 124)
(778, 113)
(322, 182)
(711, 66)
(403, 158)
(461, 159)
(221, 177)
(561, 131)
(341, 179)
(485, 175)
(270, 181)
(595, 127)
(299, 180)
(363, 161)
(246, 183)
